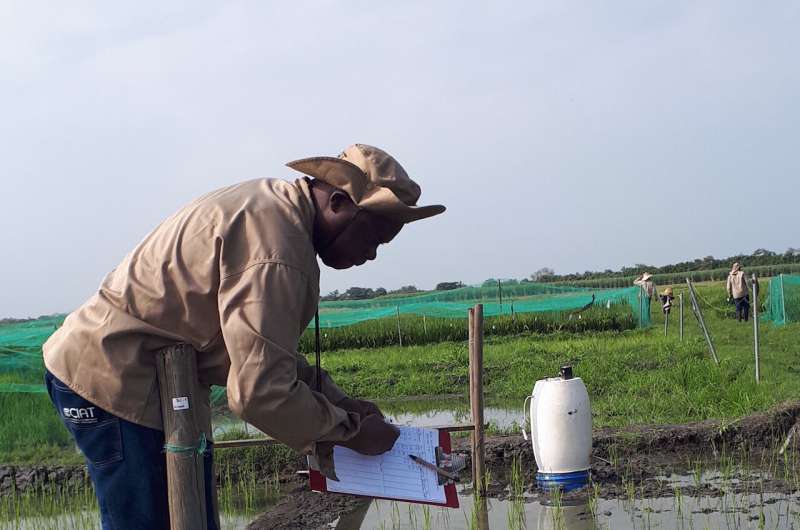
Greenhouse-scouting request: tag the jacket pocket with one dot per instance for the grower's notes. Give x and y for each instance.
(97, 432)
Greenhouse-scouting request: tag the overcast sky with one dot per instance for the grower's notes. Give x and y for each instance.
(578, 136)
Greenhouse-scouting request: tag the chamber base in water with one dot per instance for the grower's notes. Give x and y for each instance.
(563, 481)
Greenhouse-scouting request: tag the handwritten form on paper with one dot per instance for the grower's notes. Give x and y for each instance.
(392, 474)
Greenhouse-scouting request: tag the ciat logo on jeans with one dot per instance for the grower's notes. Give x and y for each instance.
(80, 415)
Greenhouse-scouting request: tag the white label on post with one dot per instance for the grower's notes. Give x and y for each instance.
(180, 403)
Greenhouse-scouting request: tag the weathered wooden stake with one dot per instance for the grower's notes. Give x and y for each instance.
(680, 297)
(666, 323)
(755, 327)
(399, 333)
(641, 307)
(476, 396)
(500, 294)
(699, 314)
(481, 513)
(176, 370)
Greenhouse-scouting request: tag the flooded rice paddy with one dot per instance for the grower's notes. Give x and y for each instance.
(728, 509)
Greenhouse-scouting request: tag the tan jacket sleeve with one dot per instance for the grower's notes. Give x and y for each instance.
(260, 312)
(729, 286)
(308, 374)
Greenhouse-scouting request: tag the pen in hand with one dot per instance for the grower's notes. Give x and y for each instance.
(433, 467)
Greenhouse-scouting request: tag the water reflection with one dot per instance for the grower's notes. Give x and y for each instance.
(731, 511)
(474, 514)
(501, 413)
(504, 414)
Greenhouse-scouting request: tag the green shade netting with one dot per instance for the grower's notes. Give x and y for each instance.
(783, 300)
(21, 343)
(518, 298)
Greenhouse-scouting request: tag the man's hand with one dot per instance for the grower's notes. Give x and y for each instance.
(359, 406)
(374, 438)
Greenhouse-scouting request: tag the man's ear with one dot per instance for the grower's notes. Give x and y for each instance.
(339, 200)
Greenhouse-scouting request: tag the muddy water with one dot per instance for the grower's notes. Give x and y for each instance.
(504, 415)
(433, 411)
(668, 510)
(727, 512)
(27, 519)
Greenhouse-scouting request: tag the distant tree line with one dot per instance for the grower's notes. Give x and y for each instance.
(760, 257)
(364, 293)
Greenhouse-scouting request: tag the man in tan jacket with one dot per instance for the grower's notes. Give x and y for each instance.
(739, 290)
(235, 275)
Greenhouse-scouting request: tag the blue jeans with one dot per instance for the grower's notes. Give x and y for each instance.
(126, 463)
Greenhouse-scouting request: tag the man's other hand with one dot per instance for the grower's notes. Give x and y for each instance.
(359, 406)
(374, 438)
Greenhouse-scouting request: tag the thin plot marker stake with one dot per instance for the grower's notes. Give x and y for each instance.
(680, 297)
(699, 314)
(783, 300)
(399, 333)
(755, 328)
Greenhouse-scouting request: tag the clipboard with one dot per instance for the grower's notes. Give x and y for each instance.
(319, 483)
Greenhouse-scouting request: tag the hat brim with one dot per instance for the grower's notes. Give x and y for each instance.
(349, 178)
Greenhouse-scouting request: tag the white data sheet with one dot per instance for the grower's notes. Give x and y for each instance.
(393, 474)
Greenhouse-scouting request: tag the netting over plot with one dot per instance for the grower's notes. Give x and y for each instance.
(21, 343)
(517, 298)
(783, 299)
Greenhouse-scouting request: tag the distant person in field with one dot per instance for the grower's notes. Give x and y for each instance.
(666, 300)
(645, 281)
(739, 291)
(235, 275)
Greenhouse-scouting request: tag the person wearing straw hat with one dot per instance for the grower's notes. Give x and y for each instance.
(738, 289)
(645, 281)
(666, 300)
(235, 275)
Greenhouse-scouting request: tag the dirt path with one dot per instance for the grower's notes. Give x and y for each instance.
(641, 453)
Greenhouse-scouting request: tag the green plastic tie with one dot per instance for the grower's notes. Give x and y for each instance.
(200, 448)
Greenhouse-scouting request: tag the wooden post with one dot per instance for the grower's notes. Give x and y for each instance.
(476, 396)
(176, 370)
(399, 333)
(317, 353)
(699, 314)
(424, 326)
(500, 294)
(641, 310)
(755, 327)
(680, 297)
(481, 508)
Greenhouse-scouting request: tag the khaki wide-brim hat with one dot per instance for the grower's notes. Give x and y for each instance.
(668, 291)
(373, 179)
